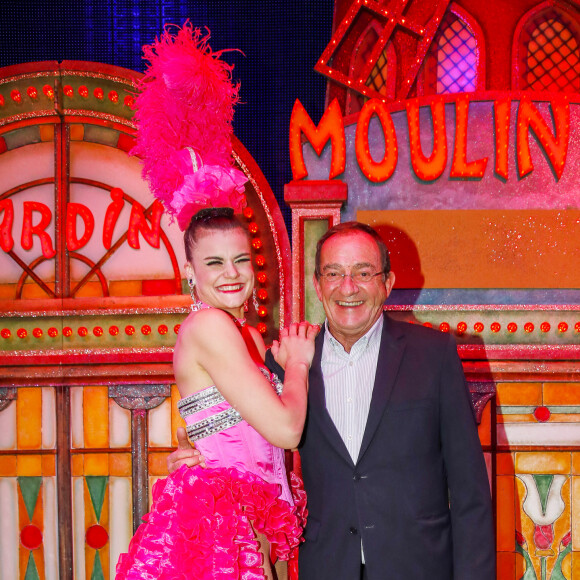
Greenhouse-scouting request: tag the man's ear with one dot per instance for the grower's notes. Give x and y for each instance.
(389, 282)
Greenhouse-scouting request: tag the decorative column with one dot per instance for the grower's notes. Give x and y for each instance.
(139, 399)
(315, 208)
(64, 482)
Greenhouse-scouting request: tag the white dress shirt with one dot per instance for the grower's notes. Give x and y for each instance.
(349, 378)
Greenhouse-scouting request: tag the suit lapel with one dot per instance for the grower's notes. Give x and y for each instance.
(317, 402)
(390, 355)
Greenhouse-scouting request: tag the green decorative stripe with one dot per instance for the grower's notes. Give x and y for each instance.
(102, 135)
(31, 570)
(528, 409)
(565, 409)
(29, 488)
(97, 484)
(513, 410)
(22, 137)
(97, 569)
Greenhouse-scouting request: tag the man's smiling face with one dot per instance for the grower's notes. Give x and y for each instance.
(351, 308)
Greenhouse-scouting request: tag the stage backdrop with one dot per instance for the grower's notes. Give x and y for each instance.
(92, 294)
(453, 128)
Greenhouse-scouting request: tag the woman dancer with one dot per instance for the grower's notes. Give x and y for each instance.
(204, 522)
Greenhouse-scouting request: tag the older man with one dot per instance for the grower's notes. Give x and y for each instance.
(392, 464)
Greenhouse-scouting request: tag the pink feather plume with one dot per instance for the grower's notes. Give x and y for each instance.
(186, 100)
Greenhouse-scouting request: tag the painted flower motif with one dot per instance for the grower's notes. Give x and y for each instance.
(520, 539)
(543, 536)
(543, 504)
(566, 540)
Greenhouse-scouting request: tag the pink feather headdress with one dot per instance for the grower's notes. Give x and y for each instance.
(184, 113)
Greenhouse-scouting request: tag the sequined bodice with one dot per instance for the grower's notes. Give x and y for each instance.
(226, 440)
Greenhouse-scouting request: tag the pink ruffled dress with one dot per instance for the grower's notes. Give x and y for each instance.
(199, 525)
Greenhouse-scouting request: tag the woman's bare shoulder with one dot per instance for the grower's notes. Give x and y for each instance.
(208, 320)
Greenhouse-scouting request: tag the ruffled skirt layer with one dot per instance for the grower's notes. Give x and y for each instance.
(199, 527)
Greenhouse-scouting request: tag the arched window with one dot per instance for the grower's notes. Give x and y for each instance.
(455, 63)
(382, 77)
(548, 52)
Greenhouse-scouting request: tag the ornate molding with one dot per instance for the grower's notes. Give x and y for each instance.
(139, 397)
(7, 395)
(481, 392)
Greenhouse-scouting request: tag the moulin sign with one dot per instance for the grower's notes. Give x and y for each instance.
(430, 167)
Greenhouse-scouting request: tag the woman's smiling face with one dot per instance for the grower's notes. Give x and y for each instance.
(221, 268)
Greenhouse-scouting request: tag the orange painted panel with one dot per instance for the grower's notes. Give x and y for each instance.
(506, 566)
(8, 291)
(8, 466)
(576, 463)
(516, 419)
(125, 287)
(96, 416)
(77, 132)
(504, 463)
(34, 291)
(29, 418)
(46, 132)
(77, 464)
(505, 505)
(96, 464)
(120, 464)
(29, 465)
(23, 560)
(481, 248)
(562, 394)
(39, 560)
(176, 420)
(89, 560)
(564, 418)
(48, 465)
(90, 516)
(575, 565)
(90, 289)
(484, 427)
(543, 462)
(158, 464)
(519, 394)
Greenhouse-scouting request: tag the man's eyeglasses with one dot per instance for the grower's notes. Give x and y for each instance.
(363, 277)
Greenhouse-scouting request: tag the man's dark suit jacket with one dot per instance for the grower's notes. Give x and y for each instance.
(418, 495)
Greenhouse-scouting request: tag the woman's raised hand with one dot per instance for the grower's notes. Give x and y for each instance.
(296, 344)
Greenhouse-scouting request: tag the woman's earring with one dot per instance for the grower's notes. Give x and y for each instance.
(255, 300)
(196, 303)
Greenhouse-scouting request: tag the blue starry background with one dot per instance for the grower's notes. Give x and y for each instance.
(281, 41)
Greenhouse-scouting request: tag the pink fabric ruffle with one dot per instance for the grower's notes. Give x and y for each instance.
(199, 527)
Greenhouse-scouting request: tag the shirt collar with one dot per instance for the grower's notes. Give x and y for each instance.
(370, 337)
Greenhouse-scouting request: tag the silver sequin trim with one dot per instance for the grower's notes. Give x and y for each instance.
(220, 421)
(200, 401)
(214, 424)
